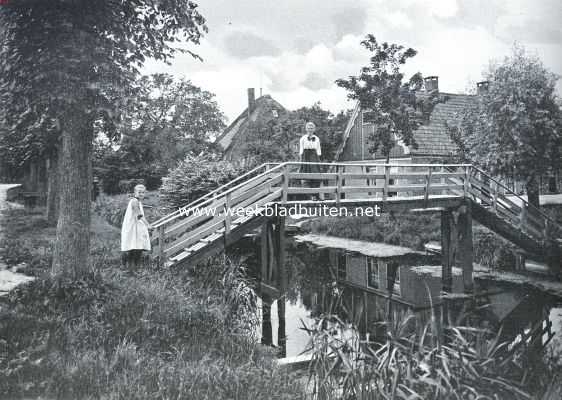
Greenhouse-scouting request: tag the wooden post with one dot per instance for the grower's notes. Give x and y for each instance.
(447, 250)
(339, 184)
(466, 181)
(427, 186)
(161, 241)
(263, 254)
(386, 182)
(520, 261)
(227, 216)
(266, 330)
(545, 230)
(523, 217)
(285, 184)
(465, 246)
(457, 246)
(494, 187)
(280, 257)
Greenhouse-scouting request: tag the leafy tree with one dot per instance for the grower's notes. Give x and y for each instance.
(272, 140)
(514, 129)
(169, 119)
(178, 115)
(381, 90)
(77, 62)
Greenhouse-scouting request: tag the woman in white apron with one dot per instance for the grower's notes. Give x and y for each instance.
(310, 151)
(134, 232)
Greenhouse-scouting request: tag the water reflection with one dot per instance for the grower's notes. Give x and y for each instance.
(368, 290)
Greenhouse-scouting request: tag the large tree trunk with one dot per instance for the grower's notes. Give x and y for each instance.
(532, 187)
(72, 248)
(53, 190)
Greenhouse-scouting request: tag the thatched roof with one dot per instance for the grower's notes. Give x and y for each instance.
(234, 136)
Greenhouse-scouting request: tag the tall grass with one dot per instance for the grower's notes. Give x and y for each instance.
(161, 334)
(418, 361)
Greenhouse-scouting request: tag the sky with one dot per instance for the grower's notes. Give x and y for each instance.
(294, 50)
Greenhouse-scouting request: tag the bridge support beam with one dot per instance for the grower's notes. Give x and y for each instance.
(554, 258)
(273, 283)
(282, 283)
(266, 330)
(456, 246)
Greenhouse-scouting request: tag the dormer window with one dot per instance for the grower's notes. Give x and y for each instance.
(275, 114)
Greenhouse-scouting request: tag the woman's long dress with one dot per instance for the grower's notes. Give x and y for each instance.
(310, 151)
(134, 232)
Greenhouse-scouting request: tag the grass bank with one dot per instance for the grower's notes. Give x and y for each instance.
(169, 334)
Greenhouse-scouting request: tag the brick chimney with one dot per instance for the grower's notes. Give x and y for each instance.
(431, 83)
(482, 87)
(251, 100)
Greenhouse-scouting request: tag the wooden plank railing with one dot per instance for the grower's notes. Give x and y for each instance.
(212, 217)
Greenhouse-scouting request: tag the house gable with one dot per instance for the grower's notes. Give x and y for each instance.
(432, 137)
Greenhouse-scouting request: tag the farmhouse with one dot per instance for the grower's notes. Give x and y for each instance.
(434, 144)
(432, 138)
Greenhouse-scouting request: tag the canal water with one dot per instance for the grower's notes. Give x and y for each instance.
(366, 284)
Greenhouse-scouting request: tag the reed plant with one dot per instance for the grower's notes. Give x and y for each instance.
(415, 360)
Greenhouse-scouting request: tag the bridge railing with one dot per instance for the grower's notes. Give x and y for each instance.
(214, 193)
(512, 207)
(376, 180)
(209, 214)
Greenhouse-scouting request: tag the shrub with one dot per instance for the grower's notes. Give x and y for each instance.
(128, 185)
(493, 252)
(196, 176)
(14, 251)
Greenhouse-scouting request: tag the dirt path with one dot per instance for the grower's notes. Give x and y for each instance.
(8, 279)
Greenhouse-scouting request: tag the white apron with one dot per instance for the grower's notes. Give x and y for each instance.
(134, 232)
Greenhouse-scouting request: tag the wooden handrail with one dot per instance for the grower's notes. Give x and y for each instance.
(529, 205)
(373, 164)
(198, 202)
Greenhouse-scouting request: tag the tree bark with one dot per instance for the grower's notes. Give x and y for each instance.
(72, 248)
(532, 187)
(53, 190)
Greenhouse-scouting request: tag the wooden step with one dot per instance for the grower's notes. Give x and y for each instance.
(212, 238)
(197, 246)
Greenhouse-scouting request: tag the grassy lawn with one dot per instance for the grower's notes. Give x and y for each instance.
(169, 334)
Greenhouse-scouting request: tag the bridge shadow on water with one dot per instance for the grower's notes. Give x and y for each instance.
(372, 293)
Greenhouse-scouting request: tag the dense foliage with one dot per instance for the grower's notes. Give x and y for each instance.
(196, 176)
(515, 127)
(169, 119)
(276, 139)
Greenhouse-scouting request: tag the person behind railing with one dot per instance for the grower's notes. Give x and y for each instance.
(135, 239)
(310, 152)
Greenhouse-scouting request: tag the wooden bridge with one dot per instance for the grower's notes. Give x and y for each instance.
(459, 192)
